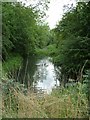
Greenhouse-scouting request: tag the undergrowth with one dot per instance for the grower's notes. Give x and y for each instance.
(68, 102)
(12, 63)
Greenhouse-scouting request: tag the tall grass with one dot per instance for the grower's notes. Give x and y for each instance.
(15, 104)
(68, 102)
(11, 65)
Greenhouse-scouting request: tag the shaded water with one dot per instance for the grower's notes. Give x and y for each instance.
(39, 73)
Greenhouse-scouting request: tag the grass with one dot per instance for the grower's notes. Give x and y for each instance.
(11, 66)
(17, 105)
(68, 102)
(12, 63)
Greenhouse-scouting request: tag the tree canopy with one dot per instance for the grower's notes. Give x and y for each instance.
(73, 41)
(21, 29)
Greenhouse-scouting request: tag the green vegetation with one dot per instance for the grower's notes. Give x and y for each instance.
(73, 42)
(49, 50)
(24, 34)
(13, 63)
(70, 102)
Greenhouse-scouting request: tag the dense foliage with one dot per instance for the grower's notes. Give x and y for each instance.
(23, 35)
(21, 30)
(73, 42)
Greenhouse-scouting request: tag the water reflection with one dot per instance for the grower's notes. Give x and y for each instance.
(28, 69)
(45, 75)
(40, 74)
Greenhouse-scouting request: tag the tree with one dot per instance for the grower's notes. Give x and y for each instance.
(73, 41)
(18, 32)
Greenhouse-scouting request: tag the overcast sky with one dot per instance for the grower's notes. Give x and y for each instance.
(55, 10)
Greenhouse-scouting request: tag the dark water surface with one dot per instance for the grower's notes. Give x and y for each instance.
(39, 73)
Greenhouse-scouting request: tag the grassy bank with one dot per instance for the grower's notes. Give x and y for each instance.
(11, 65)
(68, 102)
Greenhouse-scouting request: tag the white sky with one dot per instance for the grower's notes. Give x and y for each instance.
(55, 10)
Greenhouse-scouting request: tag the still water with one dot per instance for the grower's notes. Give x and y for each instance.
(39, 73)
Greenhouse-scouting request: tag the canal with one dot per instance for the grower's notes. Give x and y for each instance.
(39, 73)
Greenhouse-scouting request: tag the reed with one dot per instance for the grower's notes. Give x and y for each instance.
(61, 103)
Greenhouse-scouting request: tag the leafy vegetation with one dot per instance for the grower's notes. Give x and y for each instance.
(73, 42)
(50, 50)
(12, 63)
(62, 103)
(24, 34)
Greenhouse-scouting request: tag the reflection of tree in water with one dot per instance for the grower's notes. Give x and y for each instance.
(27, 71)
(38, 73)
(58, 74)
(41, 72)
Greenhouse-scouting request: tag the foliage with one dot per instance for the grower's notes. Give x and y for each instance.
(42, 35)
(73, 41)
(12, 66)
(15, 102)
(69, 42)
(61, 103)
(12, 63)
(23, 33)
(71, 102)
(86, 80)
(18, 31)
(50, 50)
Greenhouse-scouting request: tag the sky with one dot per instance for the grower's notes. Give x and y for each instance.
(55, 11)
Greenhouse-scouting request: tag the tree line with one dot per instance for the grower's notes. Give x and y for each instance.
(73, 42)
(22, 30)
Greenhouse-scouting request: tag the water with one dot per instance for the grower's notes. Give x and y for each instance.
(45, 76)
(40, 73)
